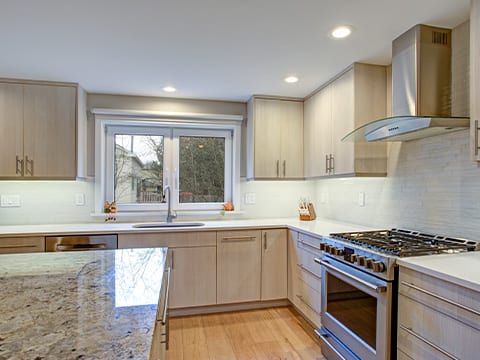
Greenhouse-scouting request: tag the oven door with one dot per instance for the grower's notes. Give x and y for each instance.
(356, 312)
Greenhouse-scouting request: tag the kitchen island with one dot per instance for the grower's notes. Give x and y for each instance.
(80, 305)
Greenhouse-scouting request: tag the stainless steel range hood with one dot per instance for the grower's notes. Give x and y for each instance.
(421, 89)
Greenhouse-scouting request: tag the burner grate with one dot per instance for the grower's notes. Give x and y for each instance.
(403, 243)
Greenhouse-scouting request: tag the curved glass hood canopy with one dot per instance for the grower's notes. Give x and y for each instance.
(404, 128)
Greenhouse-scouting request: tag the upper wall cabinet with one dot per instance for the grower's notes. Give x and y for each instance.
(475, 79)
(274, 139)
(38, 123)
(354, 98)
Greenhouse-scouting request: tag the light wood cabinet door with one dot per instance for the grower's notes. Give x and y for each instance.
(268, 119)
(11, 128)
(17, 245)
(274, 264)
(238, 266)
(275, 139)
(342, 123)
(291, 142)
(193, 276)
(50, 131)
(475, 79)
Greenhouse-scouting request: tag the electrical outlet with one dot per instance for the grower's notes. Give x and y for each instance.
(10, 201)
(361, 199)
(250, 198)
(80, 199)
(323, 198)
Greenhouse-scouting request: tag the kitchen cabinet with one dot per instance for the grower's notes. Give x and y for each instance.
(239, 261)
(437, 319)
(274, 264)
(192, 257)
(17, 245)
(355, 97)
(274, 138)
(39, 120)
(475, 79)
(304, 275)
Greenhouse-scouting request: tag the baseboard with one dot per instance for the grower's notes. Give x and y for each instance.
(227, 307)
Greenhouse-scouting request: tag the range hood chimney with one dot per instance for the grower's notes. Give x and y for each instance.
(421, 89)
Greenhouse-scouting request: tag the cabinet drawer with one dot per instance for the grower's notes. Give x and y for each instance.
(16, 245)
(172, 240)
(306, 259)
(421, 326)
(309, 277)
(447, 298)
(310, 242)
(308, 295)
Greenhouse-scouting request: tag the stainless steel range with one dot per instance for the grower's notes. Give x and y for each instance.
(360, 285)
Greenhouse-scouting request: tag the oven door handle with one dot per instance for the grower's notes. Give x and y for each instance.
(373, 287)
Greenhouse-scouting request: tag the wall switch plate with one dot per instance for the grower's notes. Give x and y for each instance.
(10, 201)
(323, 198)
(361, 199)
(80, 199)
(250, 198)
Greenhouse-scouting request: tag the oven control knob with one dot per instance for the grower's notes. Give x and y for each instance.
(369, 263)
(378, 266)
(361, 260)
(332, 250)
(323, 246)
(353, 258)
(339, 252)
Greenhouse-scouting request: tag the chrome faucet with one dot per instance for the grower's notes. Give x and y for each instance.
(171, 214)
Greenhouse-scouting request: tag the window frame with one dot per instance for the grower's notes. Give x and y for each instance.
(184, 123)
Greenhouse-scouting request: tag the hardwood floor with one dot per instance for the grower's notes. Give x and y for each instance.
(266, 334)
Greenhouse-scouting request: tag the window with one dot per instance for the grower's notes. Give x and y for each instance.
(141, 158)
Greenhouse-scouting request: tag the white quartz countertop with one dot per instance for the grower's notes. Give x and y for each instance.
(80, 305)
(319, 227)
(462, 269)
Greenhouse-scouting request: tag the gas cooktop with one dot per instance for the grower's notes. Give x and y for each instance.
(402, 243)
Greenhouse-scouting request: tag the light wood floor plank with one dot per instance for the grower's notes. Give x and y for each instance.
(266, 334)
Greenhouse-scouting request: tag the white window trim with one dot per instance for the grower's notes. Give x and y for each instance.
(111, 117)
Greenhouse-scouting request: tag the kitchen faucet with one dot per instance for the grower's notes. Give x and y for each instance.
(171, 214)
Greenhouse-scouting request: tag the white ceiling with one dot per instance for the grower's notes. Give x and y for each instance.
(208, 49)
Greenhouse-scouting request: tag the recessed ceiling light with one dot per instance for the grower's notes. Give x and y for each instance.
(341, 31)
(291, 79)
(169, 89)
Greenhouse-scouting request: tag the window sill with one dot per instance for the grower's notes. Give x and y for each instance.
(156, 216)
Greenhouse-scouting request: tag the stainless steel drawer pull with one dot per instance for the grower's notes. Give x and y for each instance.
(278, 168)
(333, 269)
(428, 342)
(284, 167)
(265, 241)
(463, 307)
(300, 297)
(239, 238)
(326, 164)
(17, 246)
(165, 305)
(308, 271)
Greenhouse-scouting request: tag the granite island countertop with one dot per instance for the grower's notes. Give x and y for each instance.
(80, 305)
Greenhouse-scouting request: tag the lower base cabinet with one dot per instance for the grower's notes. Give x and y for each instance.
(436, 319)
(192, 257)
(304, 276)
(17, 245)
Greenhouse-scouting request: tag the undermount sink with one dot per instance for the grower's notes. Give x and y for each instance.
(168, 224)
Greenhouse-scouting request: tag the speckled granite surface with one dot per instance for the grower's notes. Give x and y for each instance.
(83, 305)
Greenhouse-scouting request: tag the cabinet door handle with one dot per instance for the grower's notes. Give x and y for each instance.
(19, 170)
(284, 168)
(326, 164)
(238, 238)
(278, 168)
(441, 298)
(27, 170)
(476, 137)
(265, 241)
(171, 261)
(428, 342)
(332, 164)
